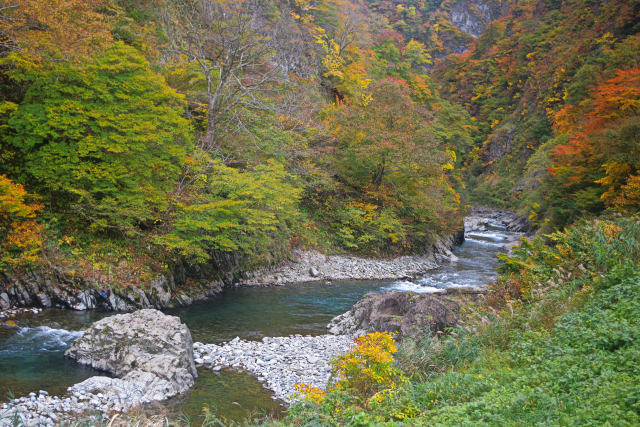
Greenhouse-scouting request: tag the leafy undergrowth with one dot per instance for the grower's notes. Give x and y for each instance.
(107, 262)
(563, 348)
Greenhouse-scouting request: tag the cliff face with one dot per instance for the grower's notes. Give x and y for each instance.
(459, 22)
(445, 27)
(473, 16)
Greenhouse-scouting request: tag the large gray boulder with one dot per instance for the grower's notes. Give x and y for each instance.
(149, 352)
(409, 314)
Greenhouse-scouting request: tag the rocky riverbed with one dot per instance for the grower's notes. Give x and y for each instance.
(12, 312)
(281, 362)
(40, 409)
(153, 365)
(482, 219)
(278, 362)
(308, 266)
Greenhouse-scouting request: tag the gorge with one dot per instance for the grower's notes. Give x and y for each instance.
(251, 212)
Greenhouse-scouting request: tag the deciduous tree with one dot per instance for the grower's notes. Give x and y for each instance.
(104, 139)
(223, 38)
(53, 29)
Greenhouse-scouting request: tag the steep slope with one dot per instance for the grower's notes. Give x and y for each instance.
(445, 27)
(541, 57)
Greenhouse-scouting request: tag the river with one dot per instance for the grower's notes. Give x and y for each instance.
(31, 352)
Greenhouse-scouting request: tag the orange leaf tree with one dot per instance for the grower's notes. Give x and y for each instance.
(387, 155)
(602, 156)
(61, 29)
(20, 234)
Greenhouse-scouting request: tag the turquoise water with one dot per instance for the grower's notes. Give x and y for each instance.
(31, 353)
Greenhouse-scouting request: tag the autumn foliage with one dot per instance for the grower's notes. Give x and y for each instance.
(20, 233)
(366, 371)
(531, 74)
(388, 158)
(603, 151)
(217, 133)
(54, 29)
(368, 368)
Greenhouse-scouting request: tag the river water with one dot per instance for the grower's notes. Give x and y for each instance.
(31, 352)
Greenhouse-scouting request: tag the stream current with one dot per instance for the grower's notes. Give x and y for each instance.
(31, 352)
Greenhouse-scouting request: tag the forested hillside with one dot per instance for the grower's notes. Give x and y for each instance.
(553, 88)
(154, 151)
(142, 136)
(541, 83)
(138, 137)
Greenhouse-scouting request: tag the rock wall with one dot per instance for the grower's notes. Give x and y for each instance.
(473, 16)
(52, 287)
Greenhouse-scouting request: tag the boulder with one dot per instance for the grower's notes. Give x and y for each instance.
(147, 350)
(519, 224)
(409, 314)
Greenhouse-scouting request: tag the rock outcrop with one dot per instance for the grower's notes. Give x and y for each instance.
(483, 218)
(150, 353)
(409, 314)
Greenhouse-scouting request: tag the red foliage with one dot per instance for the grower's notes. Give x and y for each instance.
(593, 150)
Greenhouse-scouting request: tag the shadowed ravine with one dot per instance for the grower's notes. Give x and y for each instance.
(31, 353)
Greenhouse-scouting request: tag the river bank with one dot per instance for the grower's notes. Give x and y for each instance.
(54, 288)
(309, 266)
(278, 362)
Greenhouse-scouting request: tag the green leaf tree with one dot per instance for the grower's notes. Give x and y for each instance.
(105, 140)
(229, 210)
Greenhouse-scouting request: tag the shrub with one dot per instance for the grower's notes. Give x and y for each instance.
(561, 351)
(368, 368)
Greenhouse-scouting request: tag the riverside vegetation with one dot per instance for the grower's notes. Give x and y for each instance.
(199, 140)
(194, 141)
(559, 347)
